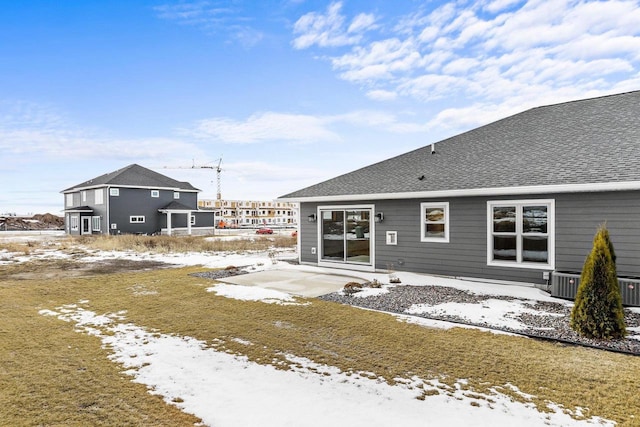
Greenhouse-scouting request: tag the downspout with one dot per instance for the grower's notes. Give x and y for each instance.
(108, 224)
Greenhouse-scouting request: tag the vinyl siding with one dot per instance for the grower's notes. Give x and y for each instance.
(577, 217)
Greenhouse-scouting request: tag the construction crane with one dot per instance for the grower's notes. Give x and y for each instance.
(217, 168)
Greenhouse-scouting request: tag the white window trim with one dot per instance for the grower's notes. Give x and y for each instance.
(114, 192)
(95, 223)
(69, 200)
(75, 222)
(372, 233)
(98, 196)
(423, 222)
(193, 220)
(176, 194)
(155, 193)
(84, 196)
(551, 233)
(137, 219)
(392, 237)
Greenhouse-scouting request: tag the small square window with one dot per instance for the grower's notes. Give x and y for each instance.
(155, 193)
(392, 237)
(193, 220)
(176, 195)
(114, 191)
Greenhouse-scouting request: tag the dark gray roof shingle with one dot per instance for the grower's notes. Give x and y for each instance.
(136, 176)
(594, 140)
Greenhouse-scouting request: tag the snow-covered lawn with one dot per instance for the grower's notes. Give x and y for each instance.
(228, 390)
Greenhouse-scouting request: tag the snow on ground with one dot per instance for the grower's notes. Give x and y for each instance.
(252, 293)
(228, 390)
(496, 312)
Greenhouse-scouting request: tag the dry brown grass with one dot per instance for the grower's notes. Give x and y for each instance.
(37, 352)
(167, 244)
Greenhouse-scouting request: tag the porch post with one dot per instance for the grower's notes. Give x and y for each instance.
(168, 223)
(189, 223)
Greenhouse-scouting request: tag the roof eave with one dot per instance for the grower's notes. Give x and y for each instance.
(471, 192)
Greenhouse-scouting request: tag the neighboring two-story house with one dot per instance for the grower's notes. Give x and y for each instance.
(134, 200)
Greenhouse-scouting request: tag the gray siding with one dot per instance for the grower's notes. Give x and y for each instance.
(308, 234)
(465, 255)
(138, 202)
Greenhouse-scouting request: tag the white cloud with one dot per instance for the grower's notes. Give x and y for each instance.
(499, 5)
(28, 129)
(382, 95)
(496, 51)
(296, 128)
(267, 126)
(329, 29)
(212, 19)
(362, 22)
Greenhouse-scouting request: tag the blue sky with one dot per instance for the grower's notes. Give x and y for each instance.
(288, 92)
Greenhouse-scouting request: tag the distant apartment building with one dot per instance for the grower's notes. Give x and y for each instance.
(247, 213)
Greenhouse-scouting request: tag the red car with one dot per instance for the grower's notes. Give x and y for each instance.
(264, 230)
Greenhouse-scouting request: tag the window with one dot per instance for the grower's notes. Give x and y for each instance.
(520, 233)
(136, 219)
(435, 222)
(392, 237)
(114, 226)
(99, 198)
(155, 193)
(95, 223)
(176, 195)
(84, 196)
(69, 200)
(193, 220)
(114, 192)
(75, 222)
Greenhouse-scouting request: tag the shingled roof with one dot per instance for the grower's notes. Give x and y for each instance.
(134, 176)
(584, 142)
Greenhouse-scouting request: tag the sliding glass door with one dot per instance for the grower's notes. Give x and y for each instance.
(346, 235)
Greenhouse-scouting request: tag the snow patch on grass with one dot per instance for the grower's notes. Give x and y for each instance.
(253, 293)
(229, 390)
(495, 312)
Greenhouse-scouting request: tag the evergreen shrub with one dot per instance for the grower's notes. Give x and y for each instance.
(598, 312)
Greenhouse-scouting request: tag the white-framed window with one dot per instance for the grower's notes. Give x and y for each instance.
(99, 196)
(75, 222)
(84, 196)
(155, 193)
(193, 220)
(136, 219)
(176, 195)
(434, 222)
(95, 223)
(392, 237)
(69, 198)
(520, 233)
(114, 226)
(114, 192)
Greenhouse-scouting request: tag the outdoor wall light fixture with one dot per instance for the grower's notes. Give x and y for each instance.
(312, 218)
(379, 217)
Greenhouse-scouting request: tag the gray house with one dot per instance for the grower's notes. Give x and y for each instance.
(516, 200)
(136, 200)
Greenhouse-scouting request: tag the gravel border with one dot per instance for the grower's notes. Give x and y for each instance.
(553, 326)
